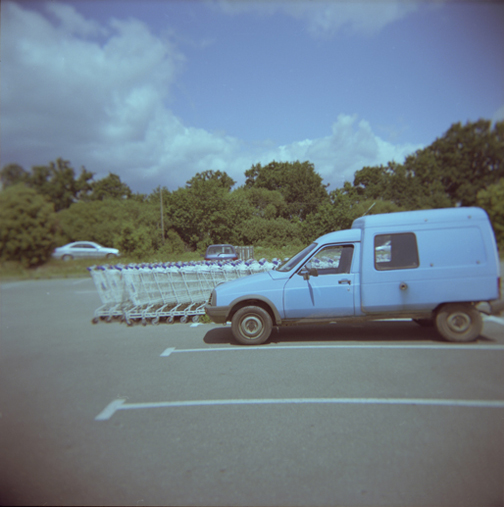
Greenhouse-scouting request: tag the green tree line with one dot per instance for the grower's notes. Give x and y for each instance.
(280, 204)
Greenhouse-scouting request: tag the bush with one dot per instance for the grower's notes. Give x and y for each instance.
(28, 226)
(275, 233)
(134, 241)
(173, 244)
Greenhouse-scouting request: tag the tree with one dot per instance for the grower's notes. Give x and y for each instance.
(299, 184)
(103, 221)
(12, 174)
(92, 221)
(205, 212)
(425, 190)
(109, 187)
(492, 200)
(57, 182)
(262, 202)
(221, 178)
(28, 226)
(470, 158)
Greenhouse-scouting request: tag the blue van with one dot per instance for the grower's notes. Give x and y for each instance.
(433, 266)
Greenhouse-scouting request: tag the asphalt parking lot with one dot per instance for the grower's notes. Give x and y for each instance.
(379, 414)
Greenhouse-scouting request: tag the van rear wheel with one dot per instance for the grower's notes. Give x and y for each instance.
(459, 322)
(251, 325)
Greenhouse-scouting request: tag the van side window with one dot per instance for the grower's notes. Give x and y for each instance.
(396, 251)
(333, 260)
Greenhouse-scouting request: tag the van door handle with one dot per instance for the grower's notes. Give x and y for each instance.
(345, 280)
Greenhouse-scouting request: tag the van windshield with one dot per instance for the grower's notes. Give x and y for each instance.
(294, 261)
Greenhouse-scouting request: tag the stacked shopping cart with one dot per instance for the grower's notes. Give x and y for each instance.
(164, 292)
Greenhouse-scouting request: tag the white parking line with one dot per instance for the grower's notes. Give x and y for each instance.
(120, 404)
(455, 346)
(82, 280)
(493, 318)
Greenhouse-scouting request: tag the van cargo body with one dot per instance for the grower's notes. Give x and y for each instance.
(433, 266)
(457, 260)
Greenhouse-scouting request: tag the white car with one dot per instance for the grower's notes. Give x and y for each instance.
(83, 249)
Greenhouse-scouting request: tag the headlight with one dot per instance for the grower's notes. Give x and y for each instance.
(213, 298)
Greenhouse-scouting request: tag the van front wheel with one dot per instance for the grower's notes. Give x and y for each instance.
(251, 325)
(459, 322)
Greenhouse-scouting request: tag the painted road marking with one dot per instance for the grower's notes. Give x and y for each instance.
(172, 350)
(121, 404)
(493, 318)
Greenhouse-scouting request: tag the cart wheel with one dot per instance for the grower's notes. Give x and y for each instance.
(155, 321)
(195, 318)
(95, 320)
(170, 319)
(183, 319)
(128, 321)
(109, 319)
(144, 322)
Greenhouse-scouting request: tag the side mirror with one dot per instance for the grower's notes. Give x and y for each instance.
(307, 272)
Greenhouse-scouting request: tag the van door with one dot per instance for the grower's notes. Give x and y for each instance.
(394, 282)
(329, 293)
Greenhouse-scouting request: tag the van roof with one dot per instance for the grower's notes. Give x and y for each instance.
(340, 236)
(420, 217)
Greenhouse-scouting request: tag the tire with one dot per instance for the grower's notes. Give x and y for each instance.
(251, 325)
(111, 256)
(459, 322)
(66, 257)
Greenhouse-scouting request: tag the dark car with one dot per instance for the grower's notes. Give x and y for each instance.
(221, 253)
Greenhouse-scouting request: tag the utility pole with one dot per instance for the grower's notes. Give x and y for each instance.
(161, 205)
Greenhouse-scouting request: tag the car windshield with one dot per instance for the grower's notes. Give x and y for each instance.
(220, 249)
(294, 261)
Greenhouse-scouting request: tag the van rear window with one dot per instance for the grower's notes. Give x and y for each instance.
(396, 251)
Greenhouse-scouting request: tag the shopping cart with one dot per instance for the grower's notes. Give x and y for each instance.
(151, 292)
(110, 286)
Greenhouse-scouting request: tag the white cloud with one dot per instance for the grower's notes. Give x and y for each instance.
(96, 95)
(323, 18)
(350, 147)
(71, 22)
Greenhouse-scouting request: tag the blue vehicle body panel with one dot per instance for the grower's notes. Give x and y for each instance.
(405, 263)
(267, 285)
(458, 260)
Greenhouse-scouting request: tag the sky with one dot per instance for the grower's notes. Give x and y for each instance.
(157, 91)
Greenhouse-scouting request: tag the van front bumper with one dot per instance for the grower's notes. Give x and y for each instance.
(217, 313)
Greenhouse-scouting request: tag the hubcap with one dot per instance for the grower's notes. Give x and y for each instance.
(251, 326)
(459, 322)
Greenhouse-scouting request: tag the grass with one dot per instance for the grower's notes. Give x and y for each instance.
(56, 268)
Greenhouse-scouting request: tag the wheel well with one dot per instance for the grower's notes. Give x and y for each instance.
(438, 307)
(252, 302)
